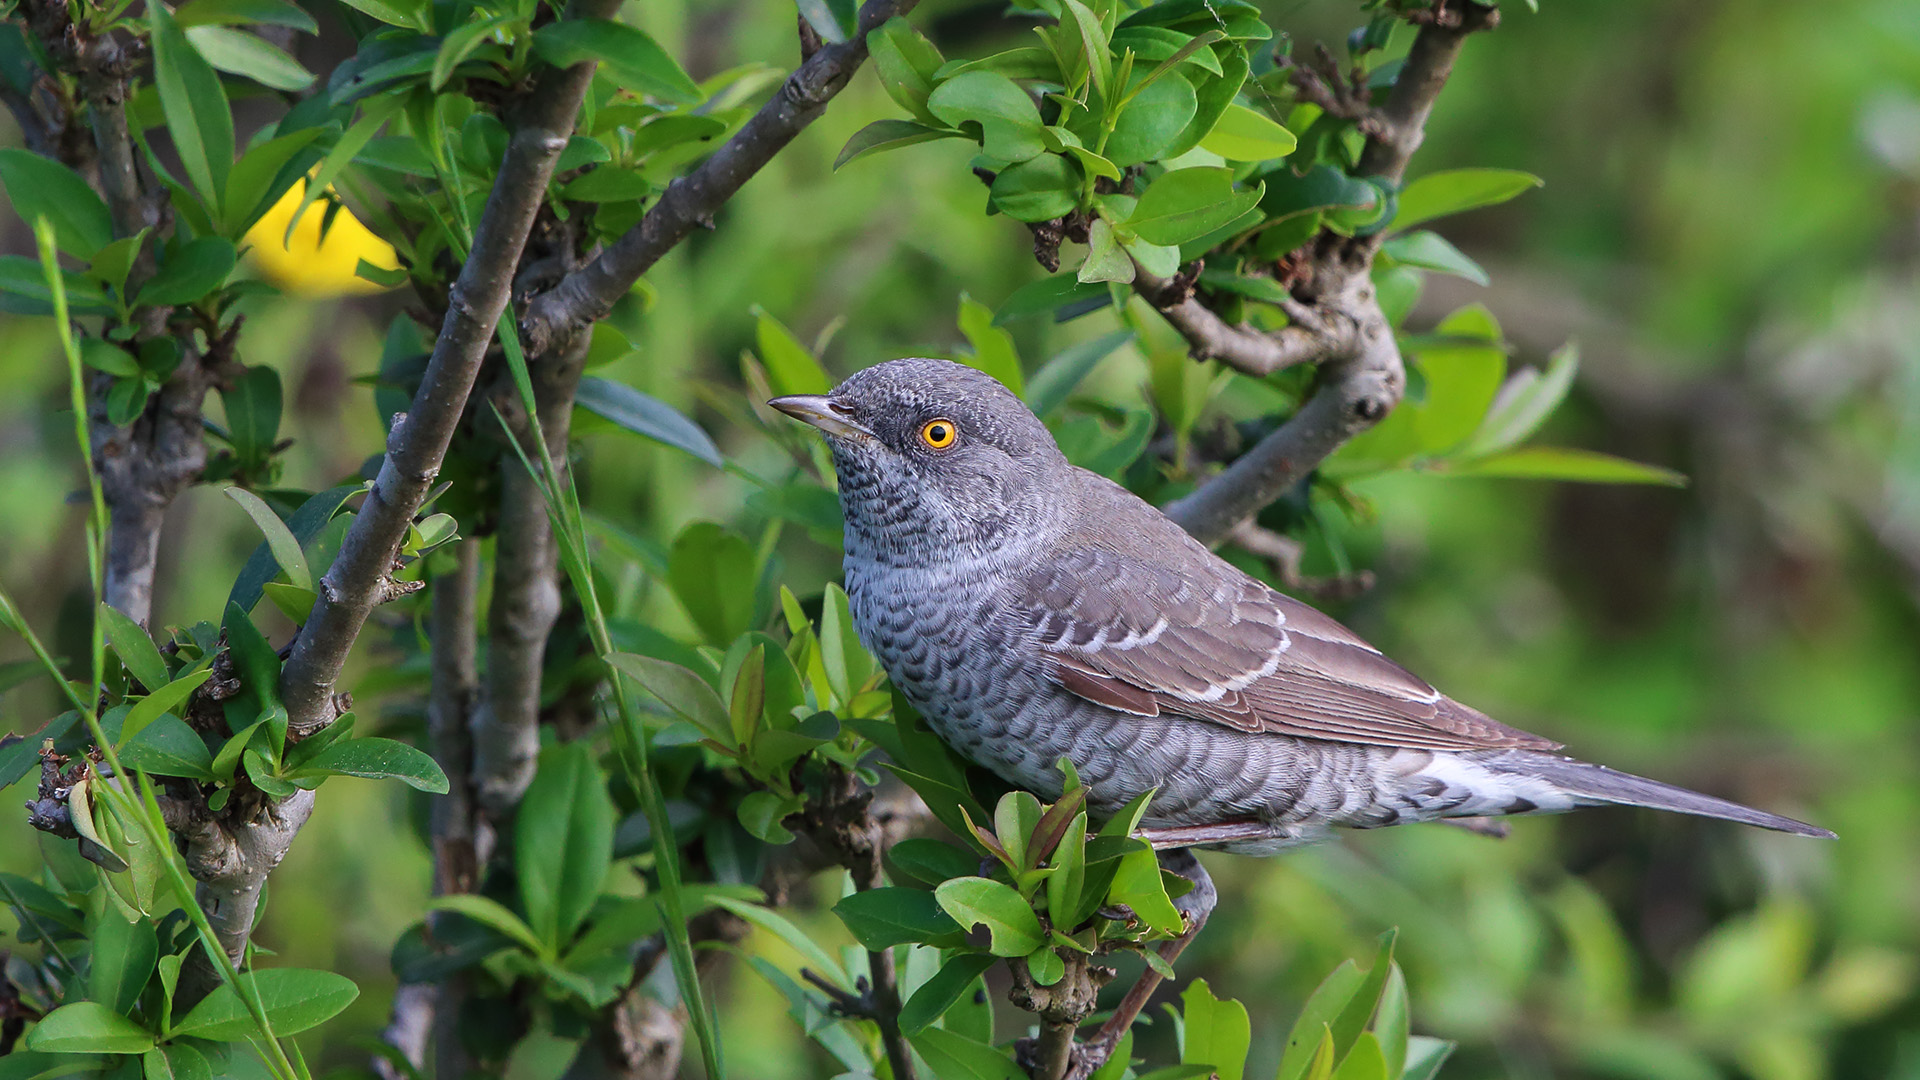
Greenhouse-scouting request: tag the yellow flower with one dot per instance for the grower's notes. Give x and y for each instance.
(303, 265)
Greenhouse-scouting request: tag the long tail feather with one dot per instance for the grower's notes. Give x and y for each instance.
(1589, 783)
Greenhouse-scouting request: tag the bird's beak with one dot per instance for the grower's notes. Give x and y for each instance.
(819, 411)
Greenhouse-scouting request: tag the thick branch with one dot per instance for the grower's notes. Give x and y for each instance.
(418, 443)
(526, 590)
(691, 201)
(1429, 62)
(1243, 348)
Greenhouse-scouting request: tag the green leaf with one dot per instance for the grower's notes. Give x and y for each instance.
(1152, 121)
(286, 550)
(1137, 884)
(955, 979)
(1093, 46)
(459, 45)
(194, 105)
(791, 367)
(1524, 402)
(634, 60)
(1009, 121)
(1352, 1020)
(240, 53)
(26, 278)
(906, 63)
(1106, 260)
(681, 690)
(1045, 966)
(1560, 463)
(1014, 818)
(1048, 294)
(166, 746)
(1364, 1061)
(1215, 1032)
(848, 664)
(1450, 192)
(1065, 885)
(993, 350)
(88, 1027)
(188, 273)
(348, 146)
(714, 574)
(884, 135)
(41, 188)
(245, 13)
(408, 13)
(1390, 1023)
(1310, 1034)
(162, 700)
(124, 952)
(380, 759)
(134, 648)
(930, 861)
(295, 999)
(779, 926)
(1040, 189)
(952, 1056)
(1241, 134)
(1057, 378)
(1188, 203)
(563, 840)
(1431, 251)
(305, 524)
(1425, 1055)
(761, 813)
(490, 913)
(646, 416)
(974, 901)
(896, 915)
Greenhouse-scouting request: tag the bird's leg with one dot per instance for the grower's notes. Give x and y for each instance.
(1196, 905)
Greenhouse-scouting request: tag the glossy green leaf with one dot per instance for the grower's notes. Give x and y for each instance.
(1524, 402)
(460, 44)
(25, 283)
(884, 917)
(1046, 295)
(715, 576)
(124, 952)
(237, 52)
(88, 1027)
(409, 13)
(1561, 463)
(1151, 122)
(306, 524)
(1009, 121)
(492, 914)
(1058, 377)
(631, 57)
(884, 135)
(42, 188)
(1450, 192)
(380, 759)
(166, 746)
(930, 861)
(1066, 884)
(956, 978)
(791, 366)
(1106, 260)
(134, 648)
(681, 690)
(976, 901)
(245, 13)
(1045, 965)
(563, 841)
(953, 1056)
(1425, 1055)
(194, 105)
(1187, 203)
(1241, 134)
(165, 699)
(1215, 1032)
(295, 999)
(1431, 251)
(280, 540)
(1137, 884)
(1310, 1034)
(906, 62)
(1352, 1019)
(1364, 1061)
(189, 272)
(646, 416)
(1040, 189)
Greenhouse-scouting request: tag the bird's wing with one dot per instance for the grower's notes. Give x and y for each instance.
(1187, 634)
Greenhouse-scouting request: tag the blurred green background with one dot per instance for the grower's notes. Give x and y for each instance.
(1730, 227)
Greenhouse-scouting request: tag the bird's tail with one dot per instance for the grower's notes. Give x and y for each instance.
(1596, 784)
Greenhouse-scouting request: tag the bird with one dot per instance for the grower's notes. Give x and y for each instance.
(1032, 610)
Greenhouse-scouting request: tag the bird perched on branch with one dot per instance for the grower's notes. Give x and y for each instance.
(1031, 610)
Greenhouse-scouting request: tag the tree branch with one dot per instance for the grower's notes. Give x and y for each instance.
(1243, 348)
(691, 201)
(1362, 373)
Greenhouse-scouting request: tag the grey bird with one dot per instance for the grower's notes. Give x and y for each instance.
(1032, 610)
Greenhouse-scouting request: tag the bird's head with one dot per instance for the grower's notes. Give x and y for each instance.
(935, 460)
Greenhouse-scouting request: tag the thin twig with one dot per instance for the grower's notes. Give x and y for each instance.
(691, 201)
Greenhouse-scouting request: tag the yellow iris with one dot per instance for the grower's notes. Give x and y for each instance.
(305, 266)
(938, 433)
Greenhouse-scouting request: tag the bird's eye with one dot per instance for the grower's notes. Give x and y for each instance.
(939, 433)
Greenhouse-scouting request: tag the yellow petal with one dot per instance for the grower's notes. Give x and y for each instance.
(303, 265)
